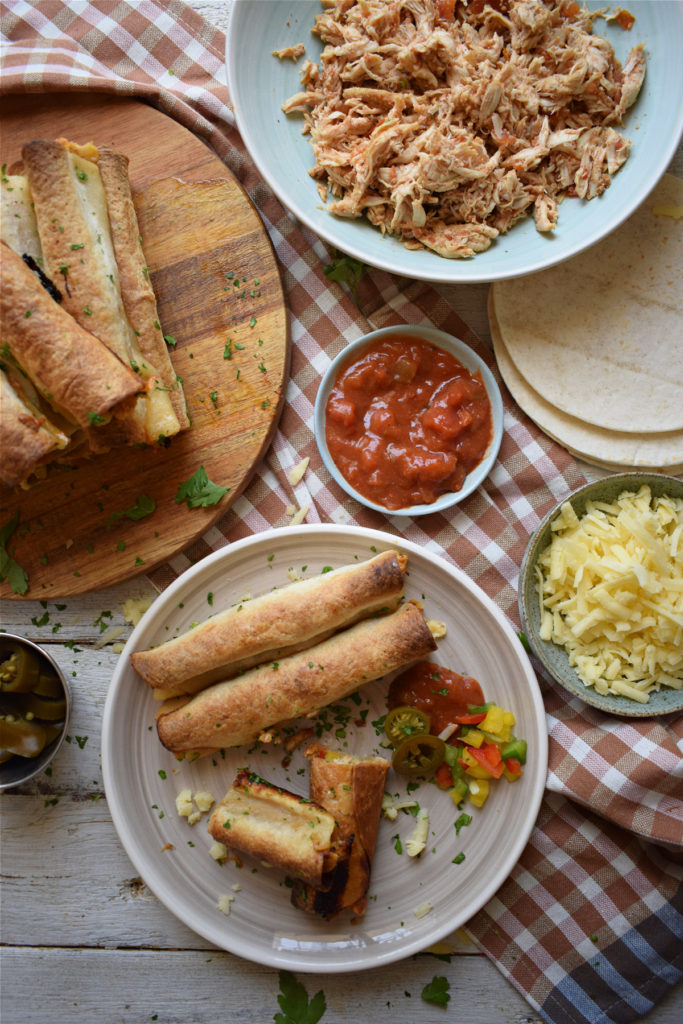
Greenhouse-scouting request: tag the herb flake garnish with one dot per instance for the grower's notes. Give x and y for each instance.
(10, 569)
(200, 492)
(345, 270)
(436, 991)
(294, 1002)
(143, 506)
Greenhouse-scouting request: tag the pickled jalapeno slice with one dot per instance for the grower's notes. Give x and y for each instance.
(403, 722)
(419, 755)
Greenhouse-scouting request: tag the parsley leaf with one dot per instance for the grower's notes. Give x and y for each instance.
(294, 1003)
(200, 492)
(437, 991)
(345, 270)
(143, 506)
(9, 569)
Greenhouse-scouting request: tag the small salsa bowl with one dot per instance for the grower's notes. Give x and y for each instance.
(468, 358)
(555, 659)
(50, 699)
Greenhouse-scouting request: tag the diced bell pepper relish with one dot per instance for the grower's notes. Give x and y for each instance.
(406, 422)
(483, 746)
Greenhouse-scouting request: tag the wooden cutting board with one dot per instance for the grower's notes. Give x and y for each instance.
(219, 295)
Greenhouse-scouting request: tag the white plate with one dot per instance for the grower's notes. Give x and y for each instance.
(259, 83)
(262, 925)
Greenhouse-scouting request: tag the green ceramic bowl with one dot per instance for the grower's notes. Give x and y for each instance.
(553, 658)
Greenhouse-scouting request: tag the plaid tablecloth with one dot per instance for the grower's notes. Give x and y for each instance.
(589, 926)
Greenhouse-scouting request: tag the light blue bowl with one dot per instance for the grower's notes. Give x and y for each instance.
(469, 359)
(554, 659)
(259, 83)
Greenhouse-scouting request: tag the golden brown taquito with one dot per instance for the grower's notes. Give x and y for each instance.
(273, 625)
(73, 371)
(236, 711)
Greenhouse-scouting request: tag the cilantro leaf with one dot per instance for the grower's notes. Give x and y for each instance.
(437, 991)
(524, 641)
(9, 568)
(200, 492)
(294, 1003)
(142, 507)
(345, 270)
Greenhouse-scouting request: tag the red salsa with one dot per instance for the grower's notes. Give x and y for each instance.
(406, 422)
(440, 693)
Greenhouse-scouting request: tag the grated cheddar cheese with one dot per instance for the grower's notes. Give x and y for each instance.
(610, 587)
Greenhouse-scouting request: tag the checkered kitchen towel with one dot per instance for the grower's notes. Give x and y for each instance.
(589, 926)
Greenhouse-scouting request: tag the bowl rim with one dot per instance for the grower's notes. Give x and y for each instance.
(47, 755)
(463, 353)
(613, 704)
(474, 271)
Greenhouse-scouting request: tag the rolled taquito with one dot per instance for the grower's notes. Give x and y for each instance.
(351, 789)
(73, 371)
(287, 831)
(272, 626)
(27, 437)
(73, 223)
(18, 225)
(236, 711)
(137, 293)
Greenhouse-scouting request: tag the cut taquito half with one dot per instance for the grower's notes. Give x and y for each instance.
(236, 711)
(71, 209)
(18, 225)
(286, 831)
(27, 437)
(351, 788)
(73, 371)
(272, 626)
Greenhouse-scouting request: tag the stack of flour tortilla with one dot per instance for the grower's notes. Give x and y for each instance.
(592, 350)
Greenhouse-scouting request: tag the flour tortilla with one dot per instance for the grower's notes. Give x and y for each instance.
(599, 337)
(608, 449)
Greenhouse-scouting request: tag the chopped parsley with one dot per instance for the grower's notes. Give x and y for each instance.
(200, 492)
(10, 570)
(143, 506)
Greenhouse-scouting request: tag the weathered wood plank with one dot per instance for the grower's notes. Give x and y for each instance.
(183, 988)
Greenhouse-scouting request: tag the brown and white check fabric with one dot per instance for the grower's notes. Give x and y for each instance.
(589, 926)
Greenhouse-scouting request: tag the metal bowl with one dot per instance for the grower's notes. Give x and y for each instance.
(17, 769)
(553, 658)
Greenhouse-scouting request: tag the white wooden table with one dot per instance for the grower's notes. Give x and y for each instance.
(85, 940)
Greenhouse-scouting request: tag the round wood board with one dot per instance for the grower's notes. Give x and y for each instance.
(219, 295)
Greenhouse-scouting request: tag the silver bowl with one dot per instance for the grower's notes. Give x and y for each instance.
(18, 769)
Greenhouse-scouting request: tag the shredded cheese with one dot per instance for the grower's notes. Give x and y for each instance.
(610, 589)
(416, 843)
(392, 805)
(296, 475)
(299, 516)
(224, 903)
(134, 608)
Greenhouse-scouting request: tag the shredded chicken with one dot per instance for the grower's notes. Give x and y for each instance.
(444, 122)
